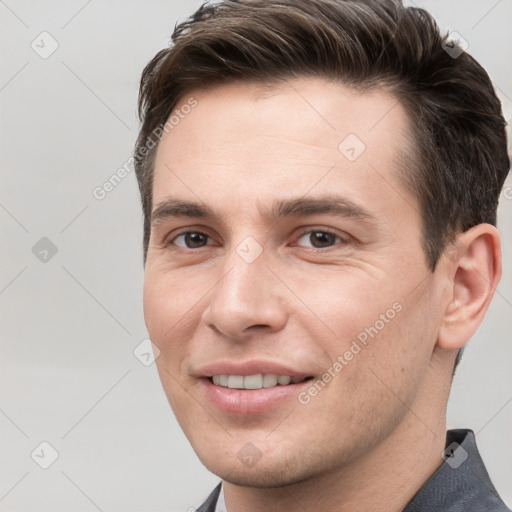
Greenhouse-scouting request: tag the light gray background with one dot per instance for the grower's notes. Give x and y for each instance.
(69, 325)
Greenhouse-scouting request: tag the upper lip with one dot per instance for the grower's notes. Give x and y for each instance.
(245, 368)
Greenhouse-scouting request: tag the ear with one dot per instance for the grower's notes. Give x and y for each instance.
(474, 261)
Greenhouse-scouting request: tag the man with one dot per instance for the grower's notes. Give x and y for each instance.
(319, 180)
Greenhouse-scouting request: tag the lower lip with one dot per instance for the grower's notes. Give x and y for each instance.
(249, 401)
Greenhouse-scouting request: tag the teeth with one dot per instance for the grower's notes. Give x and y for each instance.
(269, 380)
(235, 381)
(253, 381)
(256, 381)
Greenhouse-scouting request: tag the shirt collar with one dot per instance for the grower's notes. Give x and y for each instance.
(461, 482)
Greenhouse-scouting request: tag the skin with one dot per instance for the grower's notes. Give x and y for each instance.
(375, 433)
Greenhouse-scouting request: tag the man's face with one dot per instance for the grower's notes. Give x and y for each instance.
(278, 283)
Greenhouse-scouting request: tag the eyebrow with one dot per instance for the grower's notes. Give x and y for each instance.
(295, 207)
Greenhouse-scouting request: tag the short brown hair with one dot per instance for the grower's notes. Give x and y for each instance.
(458, 136)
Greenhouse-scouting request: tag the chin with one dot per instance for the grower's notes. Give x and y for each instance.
(279, 472)
(262, 478)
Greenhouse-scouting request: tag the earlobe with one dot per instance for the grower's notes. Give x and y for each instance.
(475, 269)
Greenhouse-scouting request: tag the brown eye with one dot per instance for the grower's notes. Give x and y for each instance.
(191, 239)
(318, 239)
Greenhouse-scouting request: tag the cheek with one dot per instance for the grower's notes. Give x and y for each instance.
(375, 331)
(165, 310)
(155, 304)
(166, 303)
(395, 355)
(344, 305)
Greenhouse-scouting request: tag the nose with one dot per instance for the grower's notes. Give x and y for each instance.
(246, 300)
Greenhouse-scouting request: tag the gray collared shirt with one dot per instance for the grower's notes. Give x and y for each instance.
(461, 484)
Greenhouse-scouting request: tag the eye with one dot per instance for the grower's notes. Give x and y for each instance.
(319, 238)
(190, 239)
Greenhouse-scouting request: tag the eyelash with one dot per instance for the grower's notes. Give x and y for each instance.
(302, 233)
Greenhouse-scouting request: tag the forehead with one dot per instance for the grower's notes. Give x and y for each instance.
(242, 142)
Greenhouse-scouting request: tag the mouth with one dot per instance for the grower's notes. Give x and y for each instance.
(257, 393)
(256, 381)
(252, 386)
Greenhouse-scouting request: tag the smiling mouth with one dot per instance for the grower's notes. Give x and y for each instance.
(257, 381)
